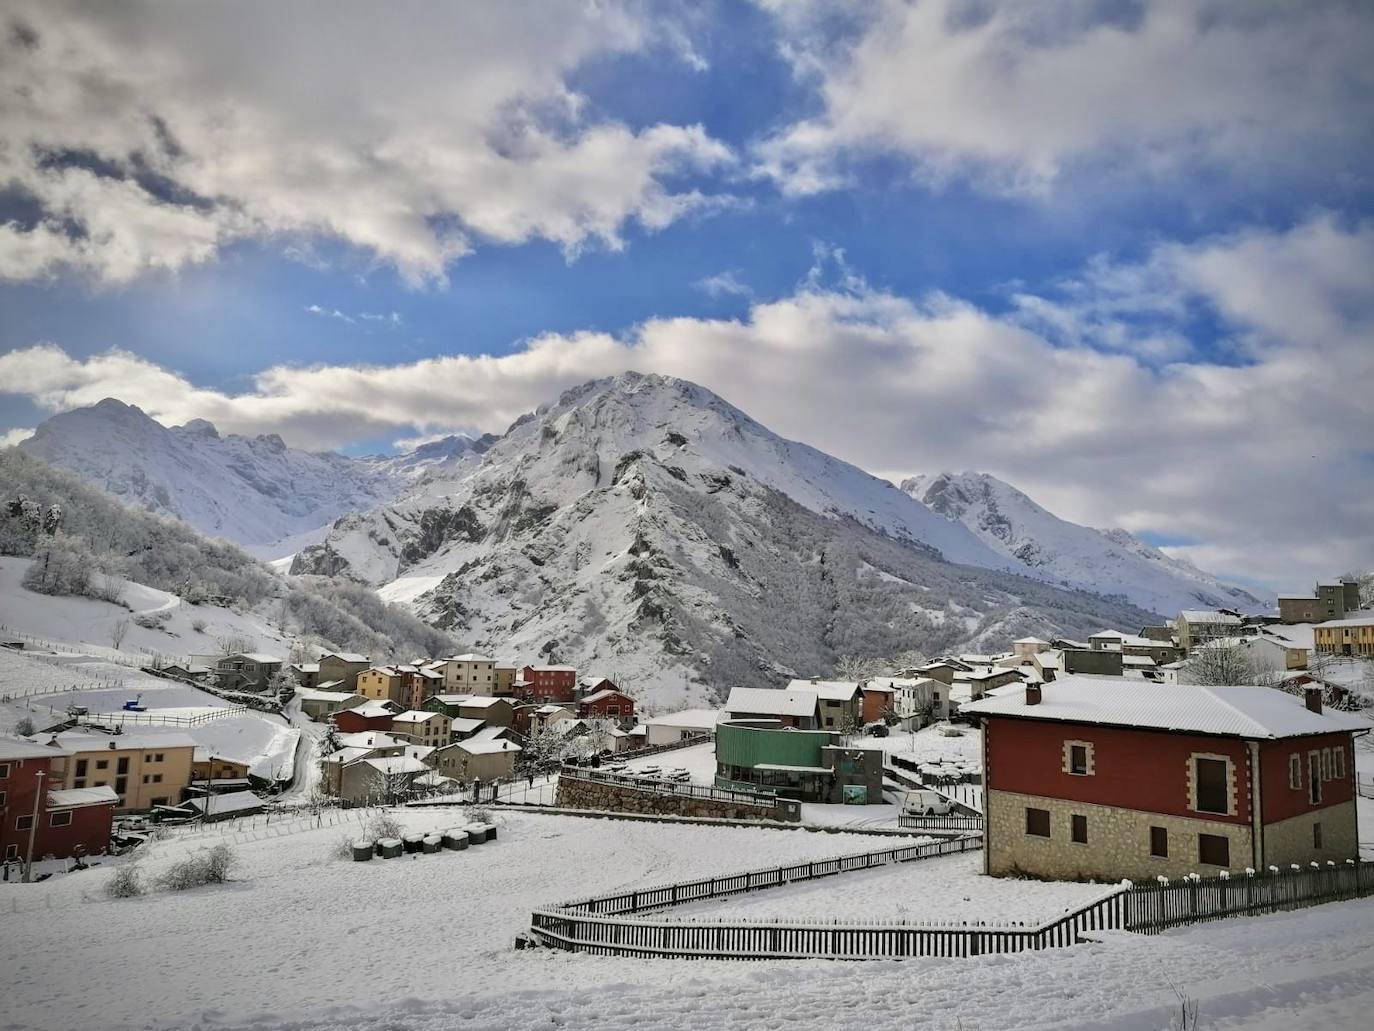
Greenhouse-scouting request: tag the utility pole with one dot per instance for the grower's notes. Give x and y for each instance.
(33, 826)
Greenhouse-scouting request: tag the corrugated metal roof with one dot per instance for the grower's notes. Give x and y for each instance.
(772, 701)
(1251, 712)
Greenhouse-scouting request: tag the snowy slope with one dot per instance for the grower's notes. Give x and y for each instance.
(1110, 562)
(253, 491)
(646, 530)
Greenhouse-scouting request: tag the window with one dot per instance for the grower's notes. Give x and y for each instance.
(1317, 835)
(157, 778)
(81, 767)
(1213, 850)
(1038, 822)
(1295, 772)
(1079, 829)
(4, 770)
(1314, 778)
(60, 819)
(80, 782)
(1077, 758)
(123, 767)
(147, 757)
(147, 779)
(2, 799)
(157, 757)
(1159, 842)
(102, 764)
(11, 852)
(23, 823)
(1211, 782)
(1338, 759)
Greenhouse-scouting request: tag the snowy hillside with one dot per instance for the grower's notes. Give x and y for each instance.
(1106, 561)
(253, 491)
(644, 529)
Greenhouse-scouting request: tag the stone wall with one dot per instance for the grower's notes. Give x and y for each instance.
(622, 798)
(1290, 841)
(1118, 844)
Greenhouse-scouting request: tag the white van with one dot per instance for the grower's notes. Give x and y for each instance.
(921, 802)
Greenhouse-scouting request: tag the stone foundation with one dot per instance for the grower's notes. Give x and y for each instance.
(1290, 841)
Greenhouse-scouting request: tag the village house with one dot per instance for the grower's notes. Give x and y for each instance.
(469, 673)
(373, 714)
(549, 683)
(1330, 599)
(307, 674)
(62, 822)
(343, 667)
(1097, 778)
(673, 727)
(607, 704)
(1097, 661)
(380, 780)
(1353, 635)
(794, 707)
(229, 806)
(210, 771)
(246, 671)
(144, 769)
(1198, 626)
(383, 683)
(877, 700)
(917, 700)
(544, 717)
(506, 673)
(486, 760)
(496, 712)
(1025, 647)
(318, 704)
(838, 703)
(419, 683)
(422, 728)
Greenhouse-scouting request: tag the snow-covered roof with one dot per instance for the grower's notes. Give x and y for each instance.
(549, 708)
(1251, 712)
(229, 802)
(420, 752)
(1292, 635)
(77, 741)
(474, 747)
(1209, 616)
(480, 702)
(417, 716)
(328, 685)
(345, 657)
(469, 657)
(451, 699)
(18, 748)
(554, 669)
(368, 739)
(607, 693)
(316, 695)
(306, 667)
(829, 690)
(72, 798)
(1143, 661)
(790, 702)
(397, 764)
(1029, 640)
(259, 657)
(205, 754)
(1107, 633)
(344, 756)
(703, 719)
(1048, 660)
(888, 688)
(487, 734)
(464, 725)
(386, 671)
(1363, 618)
(375, 707)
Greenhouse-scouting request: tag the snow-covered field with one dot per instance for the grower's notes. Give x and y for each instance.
(302, 941)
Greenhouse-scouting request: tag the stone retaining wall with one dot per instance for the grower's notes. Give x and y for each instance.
(589, 794)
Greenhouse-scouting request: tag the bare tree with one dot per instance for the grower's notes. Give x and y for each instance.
(118, 632)
(853, 667)
(1225, 663)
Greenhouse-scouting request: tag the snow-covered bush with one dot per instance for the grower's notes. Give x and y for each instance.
(210, 867)
(25, 727)
(153, 620)
(381, 823)
(126, 883)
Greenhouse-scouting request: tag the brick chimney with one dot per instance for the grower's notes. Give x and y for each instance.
(1032, 694)
(1313, 697)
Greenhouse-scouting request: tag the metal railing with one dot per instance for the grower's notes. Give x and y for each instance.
(951, 822)
(160, 719)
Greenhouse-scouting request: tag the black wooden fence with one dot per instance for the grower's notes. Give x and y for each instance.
(952, 822)
(599, 926)
(762, 799)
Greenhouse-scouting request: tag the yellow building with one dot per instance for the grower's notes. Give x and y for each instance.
(423, 728)
(383, 683)
(145, 768)
(505, 678)
(1352, 636)
(470, 674)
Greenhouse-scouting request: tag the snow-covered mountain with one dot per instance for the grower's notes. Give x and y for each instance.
(1109, 562)
(644, 529)
(254, 491)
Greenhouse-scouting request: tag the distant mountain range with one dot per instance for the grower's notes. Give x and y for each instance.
(644, 528)
(1050, 548)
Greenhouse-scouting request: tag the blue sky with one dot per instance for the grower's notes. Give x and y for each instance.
(1063, 244)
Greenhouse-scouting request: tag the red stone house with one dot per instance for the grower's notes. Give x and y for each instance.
(1108, 778)
(374, 714)
(550, 683)
(607, 704)
(62, 823)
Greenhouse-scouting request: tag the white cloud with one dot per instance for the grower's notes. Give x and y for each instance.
(11, 437)
(149, 136)
(328, 313)
(1262, 456)
(724, 284)
(1014, 93)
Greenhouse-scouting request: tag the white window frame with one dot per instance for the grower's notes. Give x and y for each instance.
(1295, 771)
(53, 821)
(1338, 757)
(4, 771)
(1314, 778)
